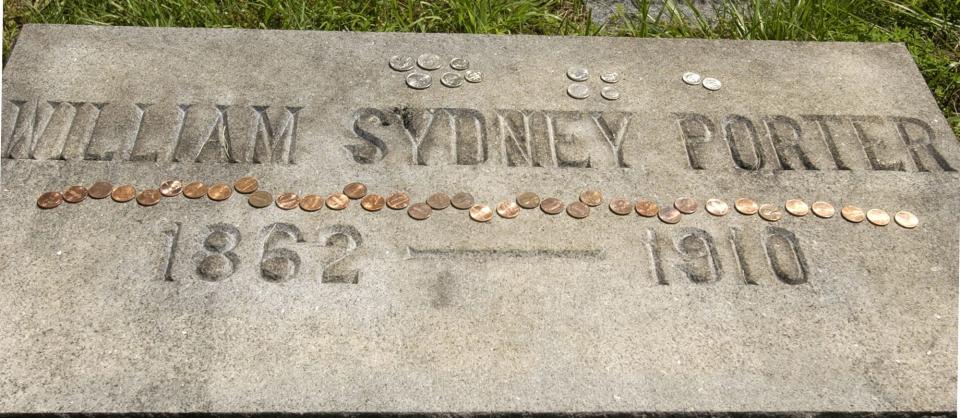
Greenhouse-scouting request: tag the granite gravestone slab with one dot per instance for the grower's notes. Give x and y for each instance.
(199, 305)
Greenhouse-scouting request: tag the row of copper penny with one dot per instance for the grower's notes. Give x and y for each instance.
(479, 212)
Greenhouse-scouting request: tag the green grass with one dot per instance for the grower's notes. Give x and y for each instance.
(929, 28)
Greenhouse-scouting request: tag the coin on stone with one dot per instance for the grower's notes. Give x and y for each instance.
(609, 93)
(691, 78)
(647, 208)
(246, 185)
(438, 201)
(797, 207)
(906, 219)
(473, 76)
(459, 64)
(717, 207)
(337, 201)
(74, 194)
(852, 214)
(578, 91)
(462, 200)
(171, 188)
(746, 206)
(429, 61)
(49, 200)
(372, 202)
(260, 199)
(823, 209)
(287, 200)
(878, 217)
(123, 193)
(451, 80)
(419, 81)
(611, 77)
(508, 209)
(578, 73)
(770, 212)
(402, 63)
(670, 215)
(100, 190)
(195, 190)
(711, 84)
(481, 213)
(398, 200)
(355, 190)
(528, 200)
(591, 197)
(311, 202)
(551, 206)
(578, 210)
(621, 206)
(219, 192)
(419, 211)
(149, 197)
(686, 205)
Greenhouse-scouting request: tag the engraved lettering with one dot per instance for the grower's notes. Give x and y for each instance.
(278, 264)
(823, 125)
(747, 152)
(787, 147)
(614, 139)
(697, 249)
(217, 261)
(273, 142)
(696, 131)
(784, 255)
(921, 147)
(338, 265)
(872, 145)
(374, 148)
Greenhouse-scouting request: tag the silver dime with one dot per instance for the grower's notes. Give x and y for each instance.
(611, 78)
(578, 73)
(609, 93)
(711, 84)
(578, 91)
(402, 63)
(691, 78)
(429, 61)
(459, 64)
(473, 76)
(419, 81)
(451, 80)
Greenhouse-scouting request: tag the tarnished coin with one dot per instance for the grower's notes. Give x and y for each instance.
(311, 203)
(853, 214)
(711, 84)
(419, 81)
(528, 200)
(246, 185)
(508, 209)
(438, 201)
(746, 206)
(609, 93)
(823, 209)
(878, 217)
(578, 91)
(219, 192)
(906, 219)
(551, 206)
(74, 194)
(124, 193)
(419, 211)
(578, 210)
(429, 61)
(171, 188)
(195, 190)
(591, 197)
(686, 205)
(462, 200)
(149, 197)
(621, 206)
(100, 190)
(578, 73)
(49, 200)
(770, 212)
(287, 200)
(337, 201)
(451, 80)
(473, 76)
(355, 190)
(670, 215)
(260, 199)
(611, 77)
(459, 64)
(398, 200)
(481, 213)
(402, 63)
(646, 208)
(691, 78)
(797, 207)
(717, 207)
(372, 202)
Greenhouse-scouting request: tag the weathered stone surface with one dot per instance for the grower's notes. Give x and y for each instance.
(195, 305)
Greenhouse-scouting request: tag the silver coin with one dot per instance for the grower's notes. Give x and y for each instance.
(691, 78)
(451, 80)
(578, 91)
(419, 81)
(610, 77)
(459, 64)
(473, 76)
(402, 63)
(429, 62)
(711, 84)
(578, 73)
(609, 93)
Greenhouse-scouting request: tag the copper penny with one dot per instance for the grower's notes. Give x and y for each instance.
(337, 201)
(195, 190)
(49, 200)
(398, 200)
(481, 213)
(797, 207)
(355, 190)
(287, 200)
(647, 208)
(578, 210)
(123, 193)
(853, 214)
(311, 202)
(906, 219)
(528, 200)
(259, 199)
(591, 197)
(246, 185)
(746, 206)
(462, 200)
(670, 215)
(621, 206)
(508, 209)
(551, 206)
(100, 190)
(685, 205)
(438, 201)
(878, 217)
(419, 211)
(770, 212)
(372, 202)
(717, 207)
(823, 209)
(74, 194)
(171, 188)
(219, 192)
(149, 197)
